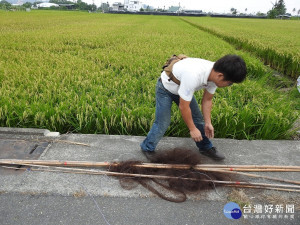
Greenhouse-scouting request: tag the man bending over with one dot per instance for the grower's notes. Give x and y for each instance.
(181, 77)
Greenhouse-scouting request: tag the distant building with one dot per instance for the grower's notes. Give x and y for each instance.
(117, 6)
(174, 9)
(46, 5)
(68, 6)
(105, 7)
(193, 11)
(285, 16)
(133, 6)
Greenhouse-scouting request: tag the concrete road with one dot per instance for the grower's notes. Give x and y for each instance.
(41, 197)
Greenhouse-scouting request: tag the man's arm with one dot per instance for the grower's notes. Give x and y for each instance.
(206, 110)
(186, 113)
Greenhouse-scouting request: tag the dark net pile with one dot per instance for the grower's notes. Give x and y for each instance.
(175, 189)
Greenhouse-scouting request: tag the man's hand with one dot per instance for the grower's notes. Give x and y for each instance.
(206, 109)
(196, 135)
(209, 130)
(186, 113)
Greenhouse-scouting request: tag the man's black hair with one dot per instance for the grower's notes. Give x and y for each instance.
(233, 68)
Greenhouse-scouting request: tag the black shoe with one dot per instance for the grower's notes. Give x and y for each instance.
(149, 154)
(212, 153)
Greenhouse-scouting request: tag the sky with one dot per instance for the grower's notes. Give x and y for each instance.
(216, 6)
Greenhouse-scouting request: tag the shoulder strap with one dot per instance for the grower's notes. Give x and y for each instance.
(168, 67)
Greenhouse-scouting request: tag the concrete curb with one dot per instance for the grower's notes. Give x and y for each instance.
(28, 131)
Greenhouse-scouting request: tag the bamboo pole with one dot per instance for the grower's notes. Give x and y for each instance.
(256, 168)
(146, 165)
(259, 187)
(245, 166)
(253, 175)
(228, 185)
(235, 172)
(52, 141)
(56, 163)
(103, 172)
(71, 142)
(99, 172)
(262, 170)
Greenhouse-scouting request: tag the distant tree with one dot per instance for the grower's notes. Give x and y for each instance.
(278, 9)
(281, 7)
(104, 7)
(233, 11)
(142, 10)
(27, 5)
(260, 14)
(83, 6)
(93, 7)
(272, 14)
(54, 8)
(5, 5)
(35, 3)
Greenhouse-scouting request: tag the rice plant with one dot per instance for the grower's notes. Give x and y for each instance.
(96, 73)
(277, 42)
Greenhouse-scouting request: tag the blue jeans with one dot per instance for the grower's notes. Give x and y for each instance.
(164, 100)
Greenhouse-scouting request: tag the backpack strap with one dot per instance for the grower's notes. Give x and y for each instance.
(168, 67)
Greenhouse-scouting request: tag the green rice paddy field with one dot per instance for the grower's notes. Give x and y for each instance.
(96, 73)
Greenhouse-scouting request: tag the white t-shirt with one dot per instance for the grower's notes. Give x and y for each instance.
(193, 75)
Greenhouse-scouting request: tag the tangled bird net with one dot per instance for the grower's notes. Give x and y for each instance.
(173, 184)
